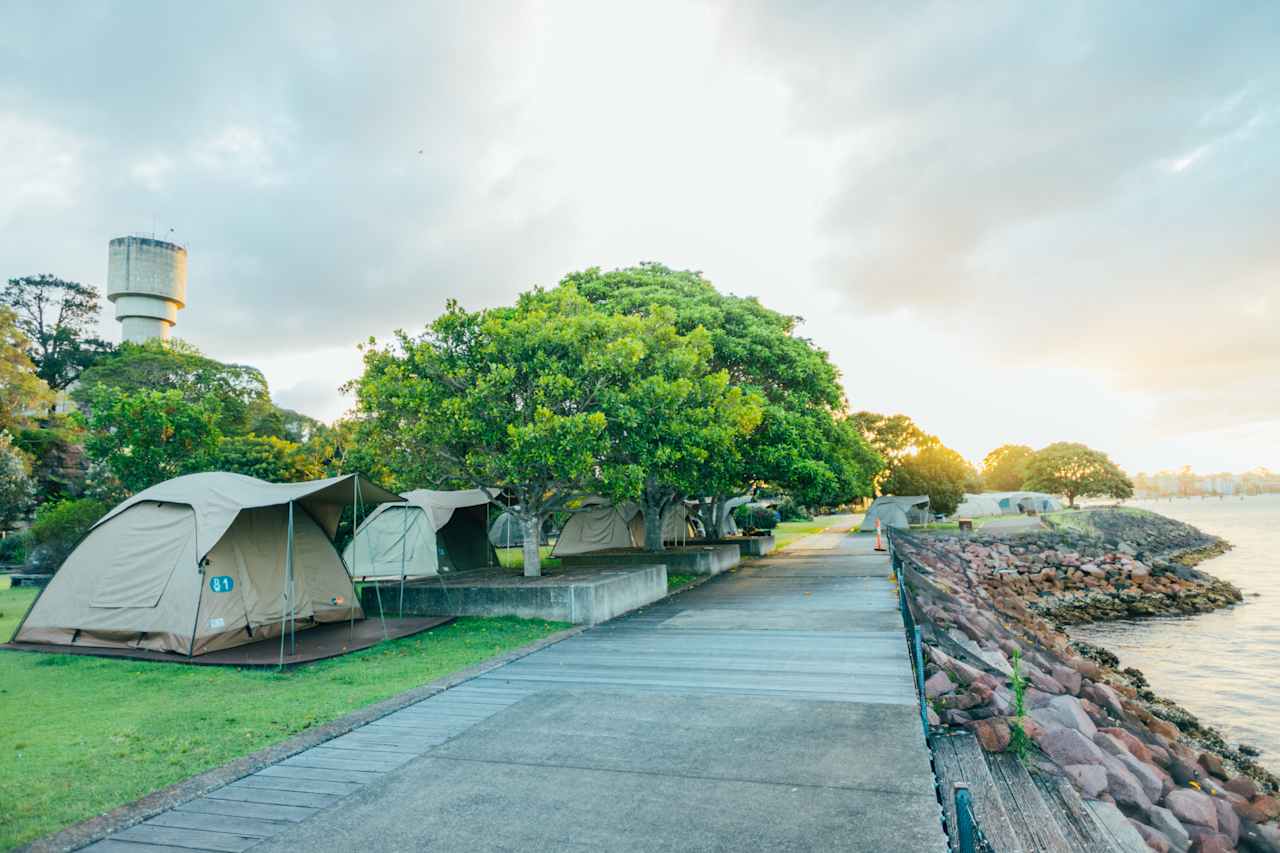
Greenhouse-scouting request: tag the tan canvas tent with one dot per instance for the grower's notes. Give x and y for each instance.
(204, 562)
(896, 511)
(600, 526)
(431, 532)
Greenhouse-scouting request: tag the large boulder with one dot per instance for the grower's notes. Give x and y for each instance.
(938, 684)
(1124, 787)
(1067, 746)
(1090, 779)
(992, 733)
(1067, 677)
(1065, 711)
(1155, 839)
(1192, 808)
(1169, 826)
(1228, 821)
(1242, 785)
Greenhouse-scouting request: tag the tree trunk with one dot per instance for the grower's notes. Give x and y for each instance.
(653, 525)
(531, 534)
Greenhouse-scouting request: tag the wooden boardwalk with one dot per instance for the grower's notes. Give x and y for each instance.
(770, 708)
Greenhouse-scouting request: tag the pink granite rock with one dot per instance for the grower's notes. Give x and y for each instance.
(938, 684)
(1228, 822)
(1067, 677)
(1068, 746)
(1192, 808)
(1242, 785)
(1154, 838)
(1090, 779)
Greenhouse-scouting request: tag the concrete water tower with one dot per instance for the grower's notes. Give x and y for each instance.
(147, 282)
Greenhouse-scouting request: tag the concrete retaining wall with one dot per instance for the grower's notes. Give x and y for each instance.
(748, 546)
(583, 597)
(686, 560)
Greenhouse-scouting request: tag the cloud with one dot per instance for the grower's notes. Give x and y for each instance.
(1094, 186)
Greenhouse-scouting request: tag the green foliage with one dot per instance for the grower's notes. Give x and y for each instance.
(799, 445)
(239, 392)
(22, 391)
(546, 400)
(894, 438)
(17, 489)
(58, 526)
(1019, 741)
(789, 510)
(57, 453)
(267, 458)
(145, 437)
(13, 549)
(58, 318)
(936, 471)
(1074, 470)
(1005, 468)
(756, 517)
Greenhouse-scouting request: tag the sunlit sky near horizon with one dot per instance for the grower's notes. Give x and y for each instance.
(1027, 225)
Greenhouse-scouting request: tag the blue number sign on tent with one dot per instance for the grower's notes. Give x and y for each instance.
(221, 583)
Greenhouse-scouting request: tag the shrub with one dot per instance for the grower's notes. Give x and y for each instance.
(755, 518)
(789, 510)
(59, 527)
(13, 549)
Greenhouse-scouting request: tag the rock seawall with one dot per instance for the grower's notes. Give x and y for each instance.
(989, 607)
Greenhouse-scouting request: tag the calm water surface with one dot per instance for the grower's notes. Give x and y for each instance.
(1224, 667)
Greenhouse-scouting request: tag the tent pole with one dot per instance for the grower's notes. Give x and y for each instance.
(293, 615)
(377, 588)
(355, 559)
(404, 534)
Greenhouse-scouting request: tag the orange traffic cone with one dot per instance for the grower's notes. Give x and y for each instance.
(879, 542)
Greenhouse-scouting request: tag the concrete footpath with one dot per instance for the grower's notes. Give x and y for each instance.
(771, 708)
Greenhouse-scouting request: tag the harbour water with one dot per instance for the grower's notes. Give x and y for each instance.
(1224, 667)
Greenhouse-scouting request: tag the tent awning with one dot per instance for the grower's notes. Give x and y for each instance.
(217, 497)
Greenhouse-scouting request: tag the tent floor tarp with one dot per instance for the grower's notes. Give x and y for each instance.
(321, 642)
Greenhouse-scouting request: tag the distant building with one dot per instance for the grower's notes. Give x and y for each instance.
(147, 282)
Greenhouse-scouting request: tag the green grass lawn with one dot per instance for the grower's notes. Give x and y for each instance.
(789, 531)
(513, 558)
(82, 735)
(674, 582)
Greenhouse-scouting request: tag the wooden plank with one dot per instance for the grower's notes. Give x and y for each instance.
(192, 839)
(959, 759)
(246, 826)
(334, 764)
(1074, 820)
(263, 811)
(1120, 833)
(115, 845)
(285, 783)
(348, 775)
(1034, 823)
(274, 797)
(386, 760)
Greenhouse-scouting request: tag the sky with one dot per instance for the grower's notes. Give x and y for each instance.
(1014, 222)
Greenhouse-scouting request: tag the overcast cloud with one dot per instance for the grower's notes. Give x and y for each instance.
(1025, 224)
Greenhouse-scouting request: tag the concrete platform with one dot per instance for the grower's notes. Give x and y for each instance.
(682, 560)
(748, 546)
(583, 595)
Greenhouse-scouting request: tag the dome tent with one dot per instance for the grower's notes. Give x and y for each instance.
(897, 511)
(429, 533)
(601, 526)
(204, 562)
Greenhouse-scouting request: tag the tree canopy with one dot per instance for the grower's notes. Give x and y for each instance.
(936, 471)
(145, 437)
(243, 400)
(58, 317)
(1074, 470)
(547, 400)
(799, 446)
(22, 391)
(17, 489)
(1005, 468)
(894, 438)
